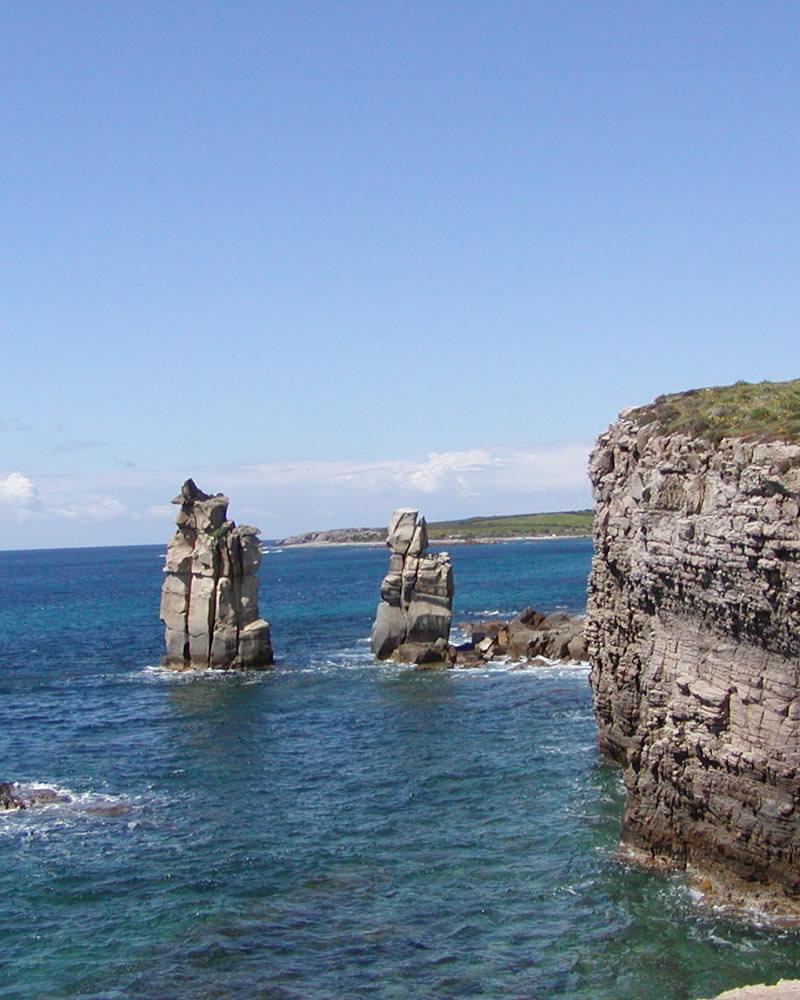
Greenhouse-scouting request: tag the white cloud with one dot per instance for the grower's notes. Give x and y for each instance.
(547, 468)
(444, 468)
(20, 493)
(101, 509)
(462, 471)
(16, 488)
(126, 505)
(161, 510)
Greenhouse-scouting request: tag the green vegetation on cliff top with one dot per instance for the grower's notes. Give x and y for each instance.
(572, 522)
(763, 411)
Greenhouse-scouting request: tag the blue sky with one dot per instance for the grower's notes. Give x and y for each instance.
(334, 257)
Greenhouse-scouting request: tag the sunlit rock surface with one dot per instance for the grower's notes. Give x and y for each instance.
(416, 593)
(209, 599)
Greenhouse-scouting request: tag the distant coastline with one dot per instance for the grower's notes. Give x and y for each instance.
(436, 542)
(467, 531)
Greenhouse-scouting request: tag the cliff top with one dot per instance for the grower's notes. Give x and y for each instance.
(763, 411)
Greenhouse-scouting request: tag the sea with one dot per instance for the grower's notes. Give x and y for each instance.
(332, 828)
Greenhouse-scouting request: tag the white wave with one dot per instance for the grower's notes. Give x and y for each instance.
(523, 668)
(155, 674)
(350, 657)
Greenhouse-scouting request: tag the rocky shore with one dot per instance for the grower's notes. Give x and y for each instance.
(17, 797)
(530, 638)
(325, 542)
(693, 631)
(466, 531)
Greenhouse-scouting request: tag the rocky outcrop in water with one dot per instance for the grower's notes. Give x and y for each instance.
(416, 593)
(9, 798)
(19, 796)
(693, 632)
(16, 796)
(530, 635)
(528, 639)
(209, 599)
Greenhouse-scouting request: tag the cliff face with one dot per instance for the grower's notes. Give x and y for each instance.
(209, 599)
(416, 593)
(693, 633)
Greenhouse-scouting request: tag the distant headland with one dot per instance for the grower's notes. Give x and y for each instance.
(497, 528)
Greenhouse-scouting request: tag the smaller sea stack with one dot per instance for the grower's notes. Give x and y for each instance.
(416, 593)
(209, 599)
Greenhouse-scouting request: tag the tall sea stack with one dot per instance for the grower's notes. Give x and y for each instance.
(209, 599)
(416, 593)
(693, 628)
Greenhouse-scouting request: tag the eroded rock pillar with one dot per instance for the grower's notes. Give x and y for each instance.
(416, 593)
(209, 599)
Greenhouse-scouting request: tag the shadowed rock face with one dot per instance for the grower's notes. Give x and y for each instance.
(209, 599)
(416, 593)
(693, 633)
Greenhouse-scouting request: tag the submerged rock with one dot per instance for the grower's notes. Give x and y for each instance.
(209, 599)
(109, 809)
(43, 796)
(416, 593)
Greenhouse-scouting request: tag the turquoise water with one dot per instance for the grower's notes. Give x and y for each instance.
(332, 828)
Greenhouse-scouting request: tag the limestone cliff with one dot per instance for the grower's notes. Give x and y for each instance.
(416, 593)
(693, 632)
(209, 599)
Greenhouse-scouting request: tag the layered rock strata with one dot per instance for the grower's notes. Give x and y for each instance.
(209, 599)
(417, 592)
(693, 632)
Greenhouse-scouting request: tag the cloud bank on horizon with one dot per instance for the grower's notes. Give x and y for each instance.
(129, 506)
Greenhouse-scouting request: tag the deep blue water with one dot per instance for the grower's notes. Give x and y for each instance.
(330, 829)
